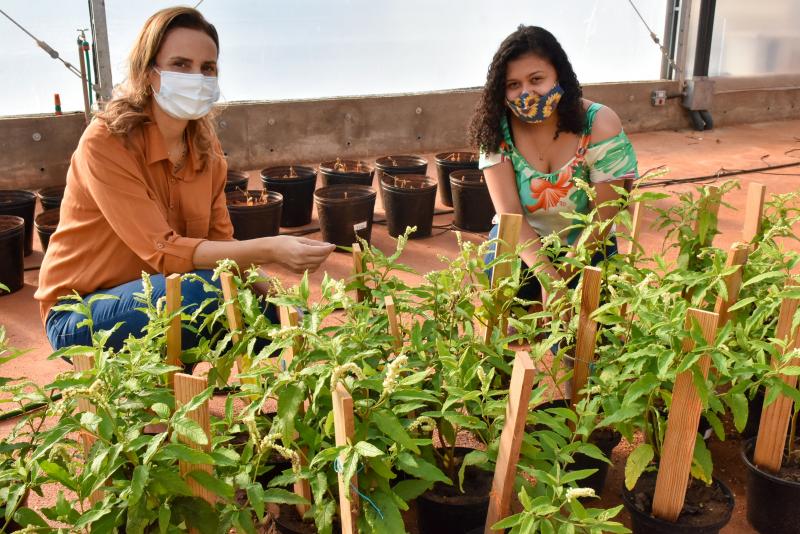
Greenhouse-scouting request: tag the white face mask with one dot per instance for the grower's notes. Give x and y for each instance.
(186, 96)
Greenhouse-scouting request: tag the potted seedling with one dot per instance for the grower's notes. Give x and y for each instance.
(446, 163)
(12, 248)
(346, 171)
(21, 204)
(46, 224)
(255, 213)
(345, 213)
(296, 183)
(409, 201)
(51, 197)
(472, 205)
(236, 181)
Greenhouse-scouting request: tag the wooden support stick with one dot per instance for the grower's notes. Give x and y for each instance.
(394, 327)
(508, 237)
(733, 282)
(231, 295)
(636, 227)
(358, 269)
(344, 425)
(587, 330)
(174, 331)
(753, 212)
(682, 422)
(774, 425)
(186, 388)
(82, 363)
(519, 395)
(289, 319)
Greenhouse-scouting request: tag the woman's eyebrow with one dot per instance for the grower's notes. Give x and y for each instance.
(180, 58)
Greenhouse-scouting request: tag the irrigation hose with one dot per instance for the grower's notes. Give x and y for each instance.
(722, 173)
(30, 408)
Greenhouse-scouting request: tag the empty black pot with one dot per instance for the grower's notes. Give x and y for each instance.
(345, 211)
(12, 249)
(297, 185)
(22, 204)
(473, 206)
(409, 200)
(345, 171)
(446, 163)
(51, 197)
(261, 219)
(236, 181)
(771, 501)
(46, 223)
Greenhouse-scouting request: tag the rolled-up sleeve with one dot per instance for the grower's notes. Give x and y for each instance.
(114, 181)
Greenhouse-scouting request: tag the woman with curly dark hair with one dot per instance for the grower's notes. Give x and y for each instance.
(538, 137)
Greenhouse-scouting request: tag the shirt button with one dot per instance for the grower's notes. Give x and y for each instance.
(171, 205)
(160, 245)
(172, 180)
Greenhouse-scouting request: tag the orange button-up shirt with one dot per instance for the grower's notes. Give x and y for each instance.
(125, 211)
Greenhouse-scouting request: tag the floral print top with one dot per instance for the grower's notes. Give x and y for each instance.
(545, 196)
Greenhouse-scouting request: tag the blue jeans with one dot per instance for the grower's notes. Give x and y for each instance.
(532, 289)
(62, 330)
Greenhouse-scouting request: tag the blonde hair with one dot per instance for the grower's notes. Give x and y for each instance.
(127, 109)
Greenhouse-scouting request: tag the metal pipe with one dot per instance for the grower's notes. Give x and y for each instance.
(683, 41)
(87, 111)
(705, 31)
(97, 15)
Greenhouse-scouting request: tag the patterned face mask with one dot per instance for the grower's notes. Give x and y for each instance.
(533, 107)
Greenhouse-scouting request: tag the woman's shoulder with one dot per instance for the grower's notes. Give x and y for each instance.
(604, 122)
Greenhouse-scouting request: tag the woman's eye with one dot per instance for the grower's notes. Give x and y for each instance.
(512, 85)
(210, 70)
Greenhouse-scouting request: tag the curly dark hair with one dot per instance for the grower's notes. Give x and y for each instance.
(484, 130)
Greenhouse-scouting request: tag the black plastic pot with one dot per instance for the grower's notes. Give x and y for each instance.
(446, 163)
(473, 206)
(345, 211)
(258, 220)
(345, 171)
(236, 181)
(772, 502)
(396, 165)
(51, 197)
(644, 523)
(409, 200)
(46, 223)
(297, 185)
(12, 248)
(22, 204)
(445, 510)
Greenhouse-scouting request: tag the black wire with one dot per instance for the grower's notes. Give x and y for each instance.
(30, 408)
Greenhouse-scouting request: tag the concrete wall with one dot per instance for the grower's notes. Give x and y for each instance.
(258, 134)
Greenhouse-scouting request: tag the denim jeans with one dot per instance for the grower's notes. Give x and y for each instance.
(62, 330)
(532, 289)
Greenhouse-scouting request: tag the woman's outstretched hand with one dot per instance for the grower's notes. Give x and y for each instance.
(298, 254)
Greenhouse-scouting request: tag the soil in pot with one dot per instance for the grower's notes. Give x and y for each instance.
(46, 223)
(472, 204)
(12, 249)
(236, 181)
(446, 510)
(296, 184)
(51, 197)
(22, 204)
(409, 200)
(396, 165)
(255, 213)
(705, 511)
(772, 498)
(345, 211)
(345, 171)
(446, 163)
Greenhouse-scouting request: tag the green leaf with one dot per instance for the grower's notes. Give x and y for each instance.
(409, 490)
(90, 517)
(421, 468)
(739, 408)
(775, 275)
(282, 496)
(367, 450)
(637, 462)
(161, 410)
(213, 484)
(471, 458)
(190, 430)
(187, 454)
(389, 424)
(702, 465)
(138, 482)
(25, 516)
(59, 474)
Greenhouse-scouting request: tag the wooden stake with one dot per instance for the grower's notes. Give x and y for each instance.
(519, 395)
(83, 363)
(753, 212)
(774, 425)
(186, 388)
(587, 330)
(345, 428)
(358, 269)
(289, 319)
(733, 282)
(682, 422)
(508, 237)
(636, 224)
(711, 205)
(174, 331)
(394, 328)
(231, 295)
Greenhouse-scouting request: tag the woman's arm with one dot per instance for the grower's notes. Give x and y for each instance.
(505, 197)
(295, 253)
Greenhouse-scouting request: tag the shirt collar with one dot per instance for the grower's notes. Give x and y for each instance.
(156, 148)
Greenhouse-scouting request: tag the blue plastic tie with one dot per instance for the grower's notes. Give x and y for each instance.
(337, 466)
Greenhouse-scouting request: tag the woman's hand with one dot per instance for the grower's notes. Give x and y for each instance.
(297, 254)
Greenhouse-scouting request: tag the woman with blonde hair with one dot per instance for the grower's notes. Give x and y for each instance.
(145, 192)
